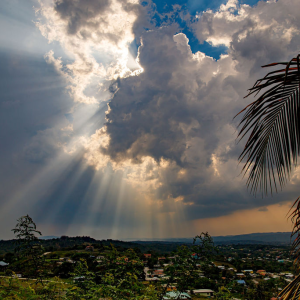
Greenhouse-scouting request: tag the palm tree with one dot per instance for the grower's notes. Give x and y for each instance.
(271, 125)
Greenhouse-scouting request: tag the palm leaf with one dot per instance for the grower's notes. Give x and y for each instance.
(295, 217)
(273, 122)
(291, 291)
(273, 125)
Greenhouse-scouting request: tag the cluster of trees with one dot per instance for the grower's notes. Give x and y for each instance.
(119, 275)
(78, 243)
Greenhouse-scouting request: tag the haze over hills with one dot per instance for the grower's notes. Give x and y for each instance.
(162, 245)
(252, 238)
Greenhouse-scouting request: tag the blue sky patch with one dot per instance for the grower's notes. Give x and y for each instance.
(193, 7)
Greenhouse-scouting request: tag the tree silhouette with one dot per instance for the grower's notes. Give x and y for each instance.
(29, 250)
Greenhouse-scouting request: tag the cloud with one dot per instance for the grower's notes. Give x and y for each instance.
(163, 124)
(96, 36)
(46, 144)
(178, 112)
(252, 33)
(166, 152)
(81, 14)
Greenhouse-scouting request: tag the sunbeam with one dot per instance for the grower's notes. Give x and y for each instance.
(117, 116)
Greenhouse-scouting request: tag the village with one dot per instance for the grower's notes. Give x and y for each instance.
(234, 271)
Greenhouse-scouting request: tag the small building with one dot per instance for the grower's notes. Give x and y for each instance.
(261, 272)
(158, 273)
(241, 282)
(146, 255)
(176, 295)
(248, 271)
(204, 292)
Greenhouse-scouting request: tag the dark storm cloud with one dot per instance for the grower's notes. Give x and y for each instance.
(180, 109)
(87, 17)
(151, 113)
(80, 13)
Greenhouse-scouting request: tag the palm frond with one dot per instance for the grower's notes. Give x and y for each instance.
(291, 291)
(273, 122)
(295, 218)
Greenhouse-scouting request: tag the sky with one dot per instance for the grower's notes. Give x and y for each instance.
(117, 116)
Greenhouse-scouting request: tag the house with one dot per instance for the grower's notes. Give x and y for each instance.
(149, 276)
(171, 288)
(158, 273)
(240, 274)
(261, 272)
(241, 282)
(248, 271)
(204, 292)
(176, 295)
(146, 255)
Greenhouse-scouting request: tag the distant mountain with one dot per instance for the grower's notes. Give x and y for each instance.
(276, 238)
(257, 238)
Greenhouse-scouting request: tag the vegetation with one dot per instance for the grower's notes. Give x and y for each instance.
(79, 243)
(29, 251)
(114, 272)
